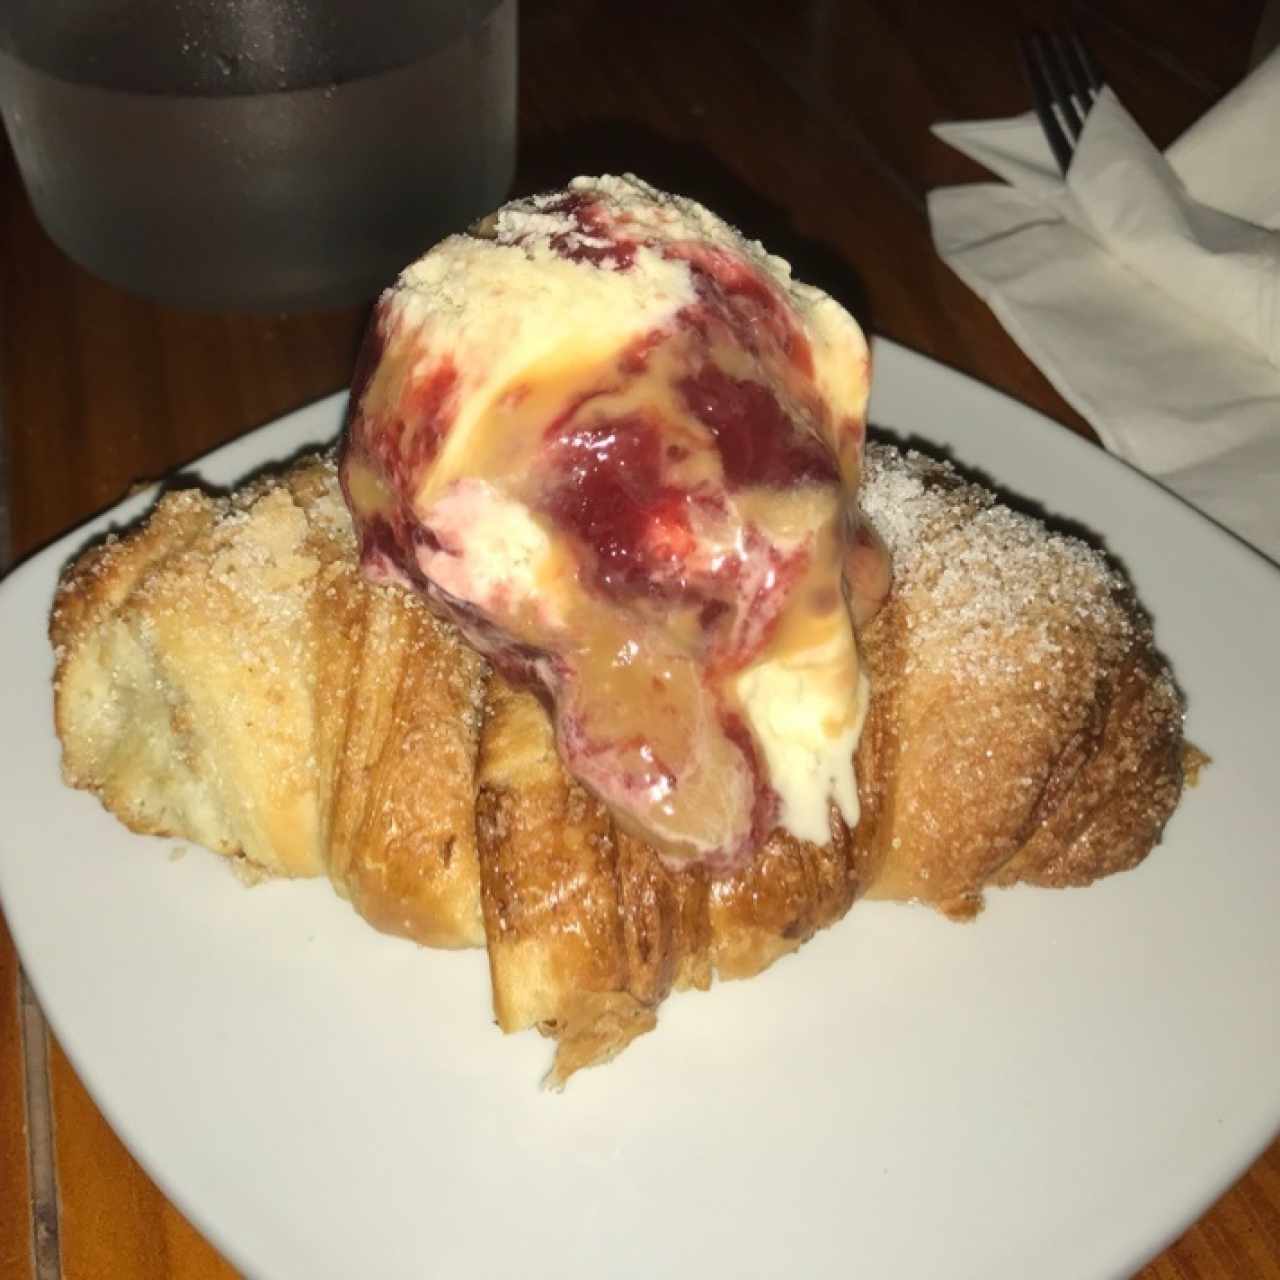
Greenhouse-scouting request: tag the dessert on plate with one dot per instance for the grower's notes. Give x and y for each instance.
(608, 644)
(619, 447)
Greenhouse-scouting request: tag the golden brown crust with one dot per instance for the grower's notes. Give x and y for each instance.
(576, 907)
(547, 870)
(404, 733)
(1023, 726)
(1114, 787)
(225, 675)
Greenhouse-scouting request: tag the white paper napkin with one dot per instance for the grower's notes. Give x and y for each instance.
(1146, 286)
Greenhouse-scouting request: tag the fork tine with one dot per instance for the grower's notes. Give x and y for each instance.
(1087, 64)
(1075, 59)
(1042, 99)
(1046, 47)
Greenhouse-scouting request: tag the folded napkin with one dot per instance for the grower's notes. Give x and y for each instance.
(1145, 286)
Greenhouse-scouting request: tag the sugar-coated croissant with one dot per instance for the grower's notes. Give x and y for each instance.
(224, 675)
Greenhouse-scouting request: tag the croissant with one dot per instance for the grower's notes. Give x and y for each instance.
(224, 675)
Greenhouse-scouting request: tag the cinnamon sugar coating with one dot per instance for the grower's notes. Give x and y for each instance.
(1023, 726)
(225, 676)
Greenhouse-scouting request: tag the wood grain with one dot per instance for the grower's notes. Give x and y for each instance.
(113, 1221)
(804, 121)
(15, 1189)
(128, 390)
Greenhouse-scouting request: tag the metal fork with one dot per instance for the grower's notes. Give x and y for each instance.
(1064, 82)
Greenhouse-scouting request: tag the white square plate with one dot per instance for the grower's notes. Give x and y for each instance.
(1059, 1087)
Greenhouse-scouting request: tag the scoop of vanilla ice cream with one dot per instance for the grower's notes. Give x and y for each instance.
(616, 442)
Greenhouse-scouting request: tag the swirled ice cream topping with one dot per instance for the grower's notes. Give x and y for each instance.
(616, 443)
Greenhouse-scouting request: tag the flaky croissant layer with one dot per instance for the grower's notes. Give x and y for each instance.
(224, 675)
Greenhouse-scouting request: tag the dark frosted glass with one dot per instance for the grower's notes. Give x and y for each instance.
(259, 153)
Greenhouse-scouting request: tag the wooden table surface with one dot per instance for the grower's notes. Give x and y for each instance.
(806, 122)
